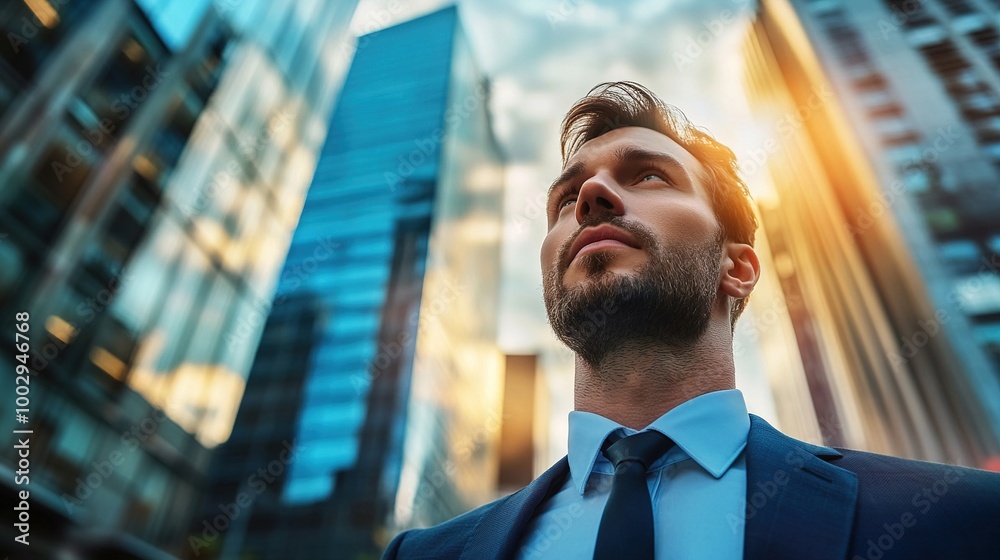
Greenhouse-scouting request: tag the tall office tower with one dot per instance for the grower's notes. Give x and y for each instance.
(153, 161)
(882, 137)
(248, 474)
(399, 243)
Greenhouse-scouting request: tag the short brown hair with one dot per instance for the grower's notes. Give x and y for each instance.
(614, 105)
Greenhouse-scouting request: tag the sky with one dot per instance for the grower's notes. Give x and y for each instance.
(542, 55)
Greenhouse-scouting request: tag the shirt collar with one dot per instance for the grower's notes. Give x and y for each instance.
(711, 429)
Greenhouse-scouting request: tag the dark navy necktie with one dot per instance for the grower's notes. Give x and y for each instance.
(627, 523)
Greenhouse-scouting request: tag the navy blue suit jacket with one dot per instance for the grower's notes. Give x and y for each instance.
(804, 501)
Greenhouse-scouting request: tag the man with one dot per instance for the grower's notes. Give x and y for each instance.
(647, 265)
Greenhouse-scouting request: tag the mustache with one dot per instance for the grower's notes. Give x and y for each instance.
(641, 233)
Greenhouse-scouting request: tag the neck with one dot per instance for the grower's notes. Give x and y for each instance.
(643, 379)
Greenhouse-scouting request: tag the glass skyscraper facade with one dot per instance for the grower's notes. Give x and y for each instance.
(882, 147)
(152, 168)
(397, 248)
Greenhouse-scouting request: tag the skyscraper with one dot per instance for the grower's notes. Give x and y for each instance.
(143, 147)
(881, 138)
(398, 245)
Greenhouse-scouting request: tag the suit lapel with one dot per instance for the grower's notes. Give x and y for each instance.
(499, 533)
(798, 504)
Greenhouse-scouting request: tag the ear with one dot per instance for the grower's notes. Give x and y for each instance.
(740, 270)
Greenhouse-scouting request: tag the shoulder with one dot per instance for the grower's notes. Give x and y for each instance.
(948, 509)
(881, 472)
(488, 529)
(445, 540)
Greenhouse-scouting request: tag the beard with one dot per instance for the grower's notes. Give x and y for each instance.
(669, 300)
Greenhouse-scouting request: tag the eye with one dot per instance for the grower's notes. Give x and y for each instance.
(652, 176)
(560, 200)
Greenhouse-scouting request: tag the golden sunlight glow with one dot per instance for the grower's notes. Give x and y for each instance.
(44, 12)
(281, 128)
(211, 394)
(201, 398)
(134, 51)
(59, 328)
(484, 178)
(144, 379)
(108, 362)
(145, 167)
(214, 236)
(479, 229)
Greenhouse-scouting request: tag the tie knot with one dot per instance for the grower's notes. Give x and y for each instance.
(644, 448)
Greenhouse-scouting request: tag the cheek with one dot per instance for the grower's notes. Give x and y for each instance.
(550, 250)
(691, 222)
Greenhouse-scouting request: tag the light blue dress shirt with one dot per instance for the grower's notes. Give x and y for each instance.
(697, 488)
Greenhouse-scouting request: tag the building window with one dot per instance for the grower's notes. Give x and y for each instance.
(958, 7)
(980, 101)
(876, 99)
(944, 58)
(916, 179)
(912, 12)
(891, 126)
(961, 255)
(905, 154)
(31, 33)
(989, 41)
(978, 294)
(41, 199)
(127, 80)
(992, 150)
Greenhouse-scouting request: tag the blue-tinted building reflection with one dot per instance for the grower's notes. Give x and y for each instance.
(401, 221)
(151, 171)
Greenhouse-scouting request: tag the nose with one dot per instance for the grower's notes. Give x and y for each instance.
(598, 195)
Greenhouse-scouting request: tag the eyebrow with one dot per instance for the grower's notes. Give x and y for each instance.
(624, 154)
(570, 172)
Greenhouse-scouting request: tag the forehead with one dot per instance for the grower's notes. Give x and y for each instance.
(607, 144)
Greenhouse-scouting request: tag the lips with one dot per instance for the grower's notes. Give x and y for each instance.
(601, 237)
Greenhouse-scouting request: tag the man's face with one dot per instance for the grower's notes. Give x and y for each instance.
(633, 250)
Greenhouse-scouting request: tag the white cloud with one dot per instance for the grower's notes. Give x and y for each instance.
(543, 55)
